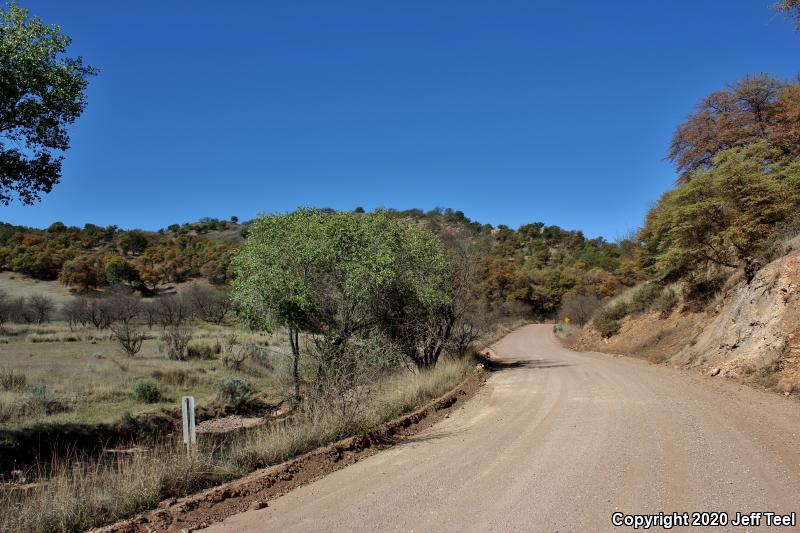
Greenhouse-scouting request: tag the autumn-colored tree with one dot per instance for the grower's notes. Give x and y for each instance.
(502, 280)
(132, 242)
(84, 273)
(150, 271)
(745, 113)
(787, 115)
(791, 8)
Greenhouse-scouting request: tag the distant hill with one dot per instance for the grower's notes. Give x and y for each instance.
(528, 269)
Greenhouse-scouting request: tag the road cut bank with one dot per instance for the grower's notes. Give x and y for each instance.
(704, 519)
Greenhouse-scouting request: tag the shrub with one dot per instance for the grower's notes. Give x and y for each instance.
(235, 392)
(699, 290)
(607, 320)
(19, 311)
(614, 311)
(203, 351)
(208, 304)
(41, 400)
(41, 307)
(606, 326)
(11, 380)
(644, 298)
(176, 339)
(171, 311)
(666, 302)
(177, 377)
(128, 336)
(146, 390)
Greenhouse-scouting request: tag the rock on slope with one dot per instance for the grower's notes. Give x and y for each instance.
(753, 333)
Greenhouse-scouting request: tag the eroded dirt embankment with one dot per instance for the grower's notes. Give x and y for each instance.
(255, 490)
(32, 448)
(752, 334)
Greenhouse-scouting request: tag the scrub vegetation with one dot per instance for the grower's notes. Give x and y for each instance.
(330, 321)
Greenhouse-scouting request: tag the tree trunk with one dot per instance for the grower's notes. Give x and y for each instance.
(294, 341)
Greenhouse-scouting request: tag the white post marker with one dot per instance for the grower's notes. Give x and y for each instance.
(189, 434)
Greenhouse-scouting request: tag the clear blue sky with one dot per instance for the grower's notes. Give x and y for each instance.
(511, 111)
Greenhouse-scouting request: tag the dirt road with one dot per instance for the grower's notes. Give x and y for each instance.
(558, 441)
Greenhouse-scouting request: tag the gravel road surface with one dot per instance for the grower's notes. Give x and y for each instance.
(559, 441)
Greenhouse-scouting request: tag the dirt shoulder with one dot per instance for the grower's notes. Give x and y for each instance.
(255, 490)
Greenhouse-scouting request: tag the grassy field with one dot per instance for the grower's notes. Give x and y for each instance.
(54, 374)
(80, 496)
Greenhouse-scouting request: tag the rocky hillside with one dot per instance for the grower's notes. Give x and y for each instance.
(752, 333)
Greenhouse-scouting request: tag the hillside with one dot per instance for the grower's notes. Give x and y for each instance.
(90, 258)
(525, 271)
(750, 332)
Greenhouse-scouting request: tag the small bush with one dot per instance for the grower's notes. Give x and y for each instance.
(644, 298)
(146, 390)
(235, 392)
(11, 380)
(698, 291)
(38, 402)
(615, 311)
(176, 377)
(606, 326)
(203, 351)
(41, 400)
(607, 320)
(666, 302)
(41, 307)
(176, 341)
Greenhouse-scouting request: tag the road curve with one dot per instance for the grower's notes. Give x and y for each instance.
(558, 441)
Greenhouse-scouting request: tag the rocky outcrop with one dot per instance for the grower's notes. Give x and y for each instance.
(755, 327)
(752, 334)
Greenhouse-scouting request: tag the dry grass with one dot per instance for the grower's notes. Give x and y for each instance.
(92, 494)
(85, 369)
(53, 337)
(12, 380)
(16, 285)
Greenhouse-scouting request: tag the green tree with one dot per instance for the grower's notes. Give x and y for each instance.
(334, 274)
(118, 270)
(41, 92)
(727, 216)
